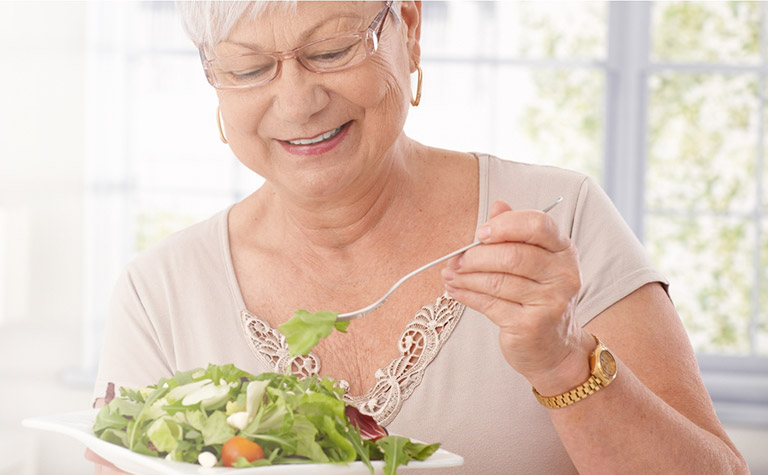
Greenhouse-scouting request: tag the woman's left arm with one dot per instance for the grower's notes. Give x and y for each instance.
(656, 416)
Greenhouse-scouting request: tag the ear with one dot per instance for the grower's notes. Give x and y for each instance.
(410, 13)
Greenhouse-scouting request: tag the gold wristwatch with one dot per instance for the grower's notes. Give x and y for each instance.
(603, 366)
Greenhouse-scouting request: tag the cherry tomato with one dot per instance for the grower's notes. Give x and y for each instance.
(240, 447)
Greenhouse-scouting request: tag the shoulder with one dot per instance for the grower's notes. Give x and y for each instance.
(531, 186)
(194, 248)
(526, 184)
(508, 166)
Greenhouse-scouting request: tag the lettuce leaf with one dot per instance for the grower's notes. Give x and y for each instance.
(216, 430)
(164, 433)
(305, 330)
(400, 450)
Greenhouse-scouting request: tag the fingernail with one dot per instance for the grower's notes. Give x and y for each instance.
(448, 274)
(484, 232)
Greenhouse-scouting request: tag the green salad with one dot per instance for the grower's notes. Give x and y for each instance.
(221, 415)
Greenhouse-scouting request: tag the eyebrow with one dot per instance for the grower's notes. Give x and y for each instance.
(303, 37)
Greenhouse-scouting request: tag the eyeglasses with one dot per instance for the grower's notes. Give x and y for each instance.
(327, 55)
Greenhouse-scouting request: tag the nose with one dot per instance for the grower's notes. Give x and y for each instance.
(298, 95)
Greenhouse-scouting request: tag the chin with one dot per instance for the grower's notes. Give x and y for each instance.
(319, 186)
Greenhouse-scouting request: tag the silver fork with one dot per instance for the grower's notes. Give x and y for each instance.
(343, 317)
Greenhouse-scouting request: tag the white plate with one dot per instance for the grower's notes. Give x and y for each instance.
(79, 425)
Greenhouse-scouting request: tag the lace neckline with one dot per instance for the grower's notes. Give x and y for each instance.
(419, 344)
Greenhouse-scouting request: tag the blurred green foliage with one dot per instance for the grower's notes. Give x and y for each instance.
(703, 186)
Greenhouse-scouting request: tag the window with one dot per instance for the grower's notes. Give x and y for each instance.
(663, 102)
(705, 193)
(522, 80)
(705, 190)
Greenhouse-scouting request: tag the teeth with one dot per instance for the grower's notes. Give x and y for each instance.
(317, 139)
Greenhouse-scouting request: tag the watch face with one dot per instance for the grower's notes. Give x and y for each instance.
(607, 363)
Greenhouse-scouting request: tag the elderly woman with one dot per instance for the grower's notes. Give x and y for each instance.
(502, 354)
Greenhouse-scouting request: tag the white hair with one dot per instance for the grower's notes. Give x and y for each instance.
(210, 22)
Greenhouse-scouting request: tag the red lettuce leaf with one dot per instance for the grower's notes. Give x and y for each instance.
(369, 428)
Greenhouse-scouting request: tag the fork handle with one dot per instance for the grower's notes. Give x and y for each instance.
(363, 311)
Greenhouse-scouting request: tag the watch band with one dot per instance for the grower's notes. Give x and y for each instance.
(578, 393)
(591, 386)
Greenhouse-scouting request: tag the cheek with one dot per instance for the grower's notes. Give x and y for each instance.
(240, 121)
(241, 112)
(383, 93)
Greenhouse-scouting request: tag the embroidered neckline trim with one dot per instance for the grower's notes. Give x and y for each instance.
(419, 345)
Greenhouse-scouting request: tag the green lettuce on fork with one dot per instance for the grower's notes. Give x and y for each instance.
(305, 330)
(293, 420)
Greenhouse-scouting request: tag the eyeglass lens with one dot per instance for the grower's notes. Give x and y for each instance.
(332, 54)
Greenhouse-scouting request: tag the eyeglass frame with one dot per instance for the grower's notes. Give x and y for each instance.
(369, 34)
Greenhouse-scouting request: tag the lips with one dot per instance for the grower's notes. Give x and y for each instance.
(320, 138)
(318, 144)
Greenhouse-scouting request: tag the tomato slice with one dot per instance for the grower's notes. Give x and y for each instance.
(240, 447)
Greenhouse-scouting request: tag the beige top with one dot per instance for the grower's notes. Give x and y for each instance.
(178, 306)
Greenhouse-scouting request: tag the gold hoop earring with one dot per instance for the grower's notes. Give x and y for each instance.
(218, 123)
(415, 101)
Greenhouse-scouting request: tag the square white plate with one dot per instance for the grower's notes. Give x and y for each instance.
(79, 426)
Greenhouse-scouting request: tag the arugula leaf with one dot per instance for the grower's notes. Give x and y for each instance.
(393, 447)
(109, 418)
(419, 451)
(135, 439)
(362, 449)
(399, 450)
(305, 329)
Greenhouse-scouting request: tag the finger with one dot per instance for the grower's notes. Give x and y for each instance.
(524, 260)
(528, 226)
(454, 263)
(92, 456)
(505, 314)
(499, 207)
(490, 288)
(511, 288)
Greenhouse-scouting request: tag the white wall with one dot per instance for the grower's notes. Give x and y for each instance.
(42, 148)
(42, 145)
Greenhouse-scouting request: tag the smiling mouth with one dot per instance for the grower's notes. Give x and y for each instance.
(320, 138)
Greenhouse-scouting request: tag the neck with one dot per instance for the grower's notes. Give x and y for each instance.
(365, 214)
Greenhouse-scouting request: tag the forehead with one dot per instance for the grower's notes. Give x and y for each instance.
(272, 28)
